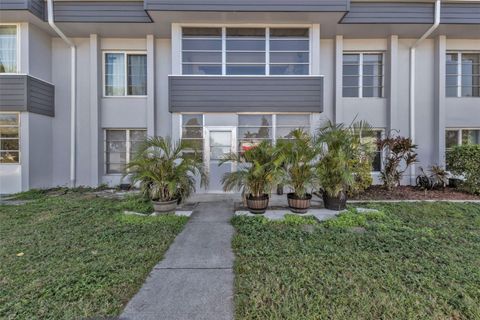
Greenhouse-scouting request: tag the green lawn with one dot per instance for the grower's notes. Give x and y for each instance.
(75, 256)
(415, 261)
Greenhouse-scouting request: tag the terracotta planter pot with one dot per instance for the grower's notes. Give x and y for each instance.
(257, 205)
(164, 207)
(299, 205)
(335, 203)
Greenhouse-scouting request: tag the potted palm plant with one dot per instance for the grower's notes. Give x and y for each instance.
(165, 173)
(338, 145)
(258, 171)
(298, 156)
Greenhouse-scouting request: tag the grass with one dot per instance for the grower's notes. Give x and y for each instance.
(410, 261)
(73, 255)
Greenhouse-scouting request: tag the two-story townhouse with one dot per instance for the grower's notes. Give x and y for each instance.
(225, 74)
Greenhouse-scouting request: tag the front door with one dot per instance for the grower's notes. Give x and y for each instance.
(219, 141)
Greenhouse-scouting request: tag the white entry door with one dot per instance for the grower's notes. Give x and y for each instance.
(219, 141)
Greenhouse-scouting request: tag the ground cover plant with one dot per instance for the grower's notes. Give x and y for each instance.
(73, 255)
(407, 261)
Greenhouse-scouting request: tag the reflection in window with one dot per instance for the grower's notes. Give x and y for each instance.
(125, 74)
(120, 147)
(371, 137)
(253, 129)
(286, 123)
(456, 137)
(9, 138)
(192, 132)
(363, 75)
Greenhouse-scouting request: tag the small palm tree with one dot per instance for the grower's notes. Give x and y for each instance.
(164, 171)
(298, 156)
(258, 171)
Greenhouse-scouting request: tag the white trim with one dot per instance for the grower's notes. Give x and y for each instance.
(459, 54)
(126, 53)
(127, 147)
(361, 55)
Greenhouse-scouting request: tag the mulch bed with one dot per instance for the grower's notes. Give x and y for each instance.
(411, 193)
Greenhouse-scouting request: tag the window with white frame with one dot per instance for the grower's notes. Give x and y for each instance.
(245, 51)
(8, 48)
(363, 75)
(192, 133)
(125, 74)
(463, 74)
(371, 137)
(120, 147)
(286, 123)
(456, 137)
(9, 138)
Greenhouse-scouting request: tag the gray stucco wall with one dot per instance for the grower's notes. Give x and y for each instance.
(243, 94)
(40, 151)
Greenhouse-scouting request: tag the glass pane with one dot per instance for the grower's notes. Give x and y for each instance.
(372, 58)
(202, 32)
(220, 138)
(452, 91)
(351, 92)
(9, 145)
(114, 168)
(373, 70)
(218, 153)
(196, 144)
(452, 58)
(255, 133)
(246, 32)
(137, 74)
(192, 132)
(245, 69)
(245, 145)
(9, 157)
(351, 70)
(202, 57)
(8, 49)
(351, 58)
(138, 135)
(255, 120)
(192, 120)
(202, 69)
(202, 44)
(8, 119)
(452, 69)
(289, 69)
(289, 32)
(246, 57)
(116, 135)
(370, 81)
(470, 91)
(8, 132)
(452, 81)
(286, 132)
(451, 138)
(471, 136)
(351, 81)
(377, 162)
(289, 45)
(294, 120)
(289, 57)
(245, 45)
(375, 92)
(114, 74)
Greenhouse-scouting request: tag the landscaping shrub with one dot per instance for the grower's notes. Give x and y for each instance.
(464, 160)
(398, 154)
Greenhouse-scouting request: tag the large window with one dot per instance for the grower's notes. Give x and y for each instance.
(456, 137)
(192, 132)
(363, 75)
(8, 49)
(286, 123)
(9, 138)
(246, 51)
(463, 74)
(125, 74)
(120, 147)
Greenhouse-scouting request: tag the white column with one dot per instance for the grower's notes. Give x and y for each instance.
(440, 94)
(315, 50)
(150, 85)
(176, 49)
(96, 136)
(338, 112)
(392, 83)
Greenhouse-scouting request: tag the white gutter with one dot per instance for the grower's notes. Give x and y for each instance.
(412, 78)
(73, 96)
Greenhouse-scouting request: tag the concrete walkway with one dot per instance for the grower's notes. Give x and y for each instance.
(195, 279)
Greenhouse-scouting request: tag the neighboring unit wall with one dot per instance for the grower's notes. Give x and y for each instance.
(40, 151)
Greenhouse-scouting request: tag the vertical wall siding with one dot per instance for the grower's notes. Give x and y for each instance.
(245, 94)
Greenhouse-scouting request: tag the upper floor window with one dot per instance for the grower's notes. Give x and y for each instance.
(363, 75)
(125, 74)
(463, 74)
(9, 138)
(8, 49)
(245, 51)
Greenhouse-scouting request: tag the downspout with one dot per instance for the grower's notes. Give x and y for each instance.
(412, 78)
(73, 96)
